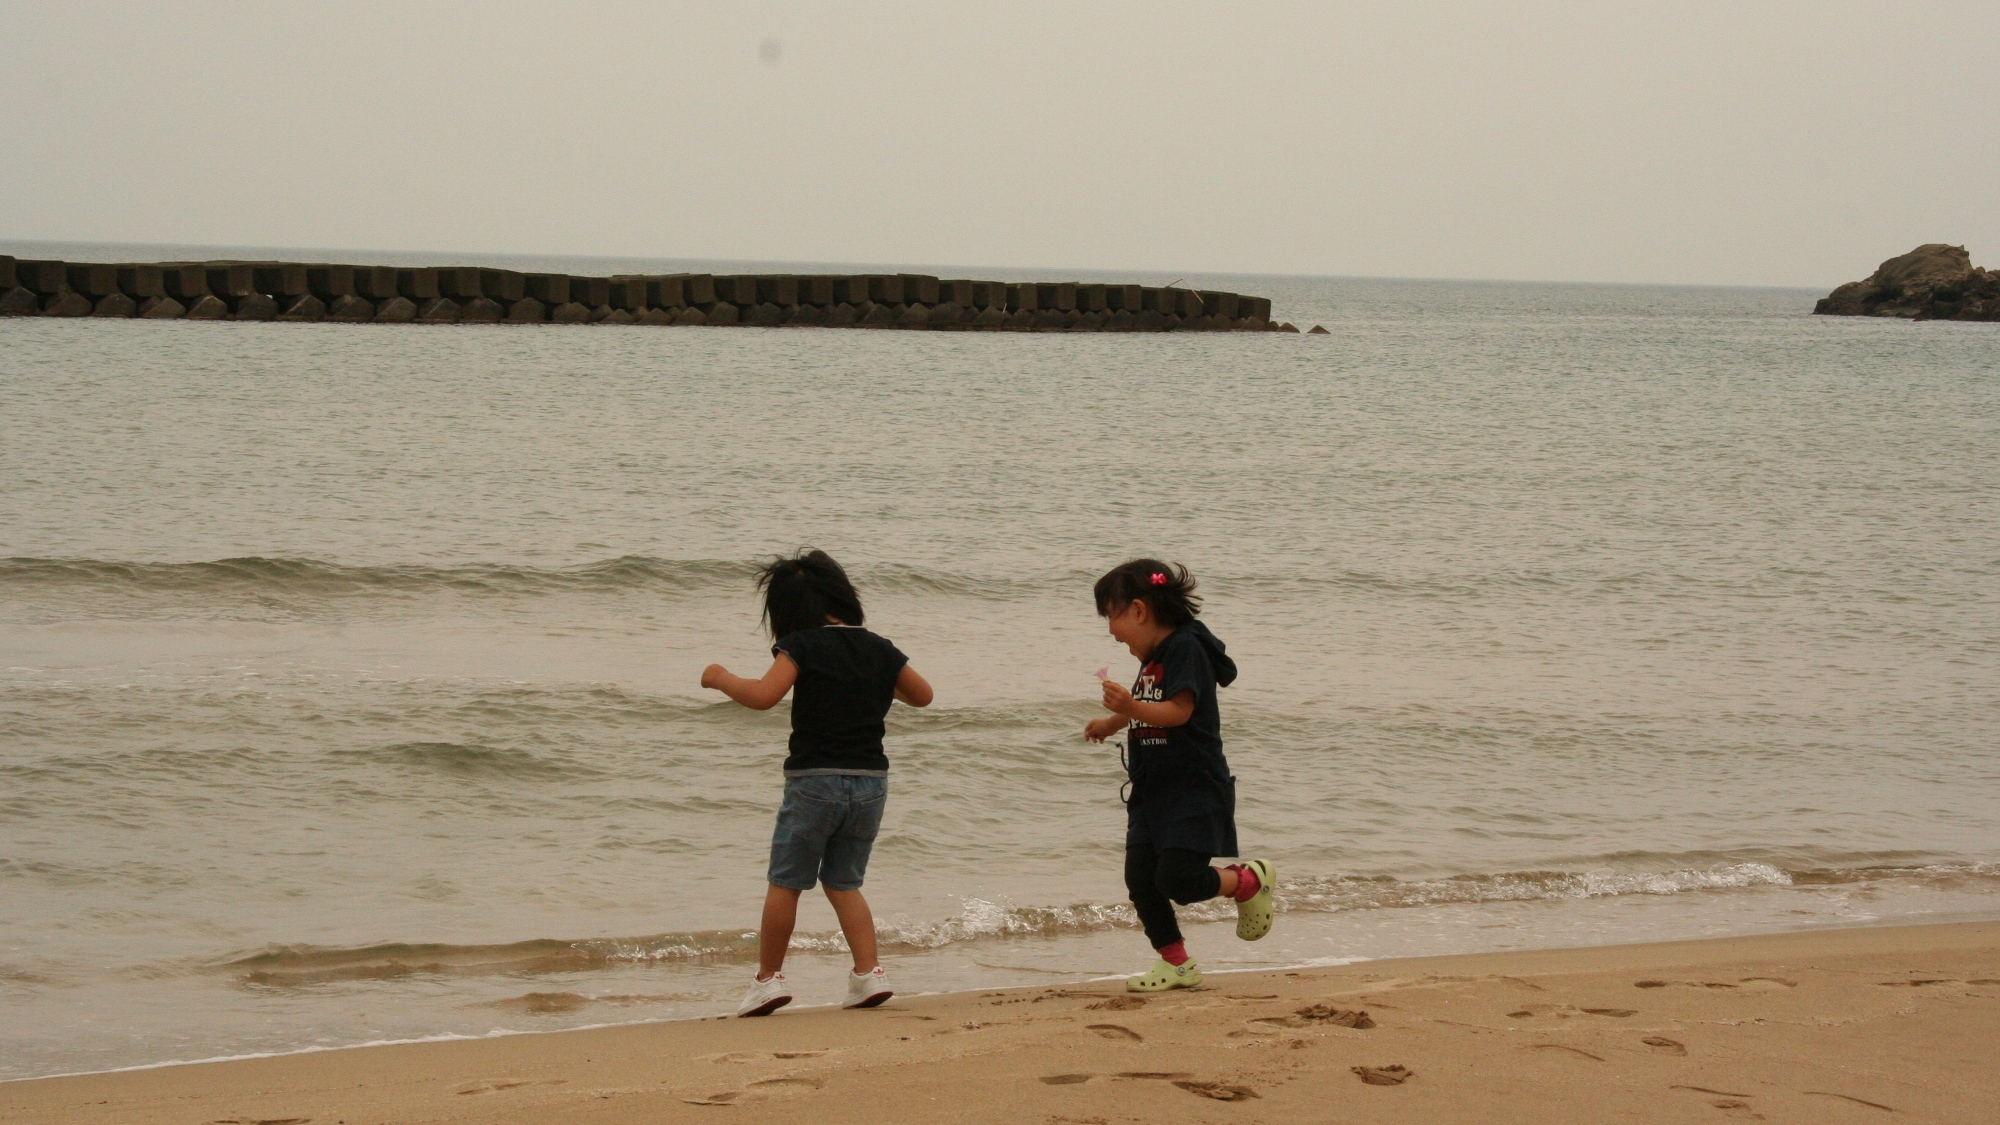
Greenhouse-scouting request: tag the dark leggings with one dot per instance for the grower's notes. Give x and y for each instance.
(1156, 879)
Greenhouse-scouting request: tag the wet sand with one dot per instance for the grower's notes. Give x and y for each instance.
(1876, 1024)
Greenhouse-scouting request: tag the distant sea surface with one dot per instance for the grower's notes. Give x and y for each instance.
(348, 673)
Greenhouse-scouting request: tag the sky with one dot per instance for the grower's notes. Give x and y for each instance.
(1738, 143)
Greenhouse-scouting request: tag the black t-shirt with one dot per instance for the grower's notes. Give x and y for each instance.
(847, 679)
(1182, 793)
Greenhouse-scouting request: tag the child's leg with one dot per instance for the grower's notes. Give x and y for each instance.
(858, 923)
(774, 935)
(1142, 882)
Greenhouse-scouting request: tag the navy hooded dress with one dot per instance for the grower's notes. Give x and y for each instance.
(1182, 793)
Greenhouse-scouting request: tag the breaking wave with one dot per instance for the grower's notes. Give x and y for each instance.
(982, 920)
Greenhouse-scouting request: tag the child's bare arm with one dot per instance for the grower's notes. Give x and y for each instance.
(912, 688)
(758, 695)
(1166, 713)
(1097, 730)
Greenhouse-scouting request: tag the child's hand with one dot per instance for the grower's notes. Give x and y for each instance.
(711, 676)
(1117, 699)
(1097, 730)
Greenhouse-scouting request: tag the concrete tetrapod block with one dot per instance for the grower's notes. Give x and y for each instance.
(396, 310)
(914, 315)
(700, 289)
(989, 295)
(777, 289)
(955, 292)
(503, 287)
(842, 315)
(590, 292)
(1131, 298)
(254, 306)
(330, 283)
(919, 288)
(208, 306)
(115, 305)
(851, 290)
(1216, 302)
(40, 277)
(886, 289)
(690, 315)
(304, 308)
(656, 316)
(1090, 298)
(92, 281)
(667, 291)
(1058, 295)
(948, 314)
(805, 316)
(1022, 297)
(612, 315)
(20, 301)
(350, 309)
(460, 283)
(878, 316)
(629, 293)
(738, 290)
(721, 314)
(817, 290)
(1088, 322)
(377, 283)
(1022, 320)
(7, 275)
(569, 312)
(161, 308)
(231, 280)
(69, 302)
(480, 310)
(1150, 320)
(281, 279)
(1259, 307)
(550, 289)
(142, 281)
(1118, 320)
(764, 315)
(990, 320)
(527, 310)
(419, 285)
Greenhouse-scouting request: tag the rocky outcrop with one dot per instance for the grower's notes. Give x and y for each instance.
(1932, 282)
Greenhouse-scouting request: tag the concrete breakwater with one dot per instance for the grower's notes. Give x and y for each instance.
(305, 291)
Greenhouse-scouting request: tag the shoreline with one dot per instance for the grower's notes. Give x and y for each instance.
(1897, 1013)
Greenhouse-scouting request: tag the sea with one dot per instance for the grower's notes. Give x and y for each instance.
(349, 674)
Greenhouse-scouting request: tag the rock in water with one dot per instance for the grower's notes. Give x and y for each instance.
(1318, 330)
(1932, 282)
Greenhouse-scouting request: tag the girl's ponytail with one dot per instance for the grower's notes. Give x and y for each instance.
(1167, 588)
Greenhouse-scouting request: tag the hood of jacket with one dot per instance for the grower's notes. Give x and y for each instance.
(1218, 658)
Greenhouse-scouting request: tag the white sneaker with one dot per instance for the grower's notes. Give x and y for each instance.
(765, 996)
(865, 990)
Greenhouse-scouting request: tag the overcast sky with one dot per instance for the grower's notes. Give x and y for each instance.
(1737, 143)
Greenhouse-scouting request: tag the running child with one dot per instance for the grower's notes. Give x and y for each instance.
(1182, 811)
(836, 776)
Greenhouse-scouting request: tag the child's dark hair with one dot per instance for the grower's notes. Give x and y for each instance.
(1168, 590)
(802, 591)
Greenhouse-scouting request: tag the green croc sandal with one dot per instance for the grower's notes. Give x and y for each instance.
(1163, 976)
(1254, 918)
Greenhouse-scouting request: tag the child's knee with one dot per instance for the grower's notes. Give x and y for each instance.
(1187, 880)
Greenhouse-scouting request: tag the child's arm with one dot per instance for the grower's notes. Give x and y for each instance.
(1097, 730)
(1167, 713)
(912, 688)
(758, 695)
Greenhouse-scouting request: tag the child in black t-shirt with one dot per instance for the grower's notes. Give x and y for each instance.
(836, 776)
(1182, 811)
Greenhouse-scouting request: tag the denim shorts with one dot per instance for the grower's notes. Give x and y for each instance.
(826, 828)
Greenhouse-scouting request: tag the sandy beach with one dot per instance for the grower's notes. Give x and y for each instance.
(1829, 1026)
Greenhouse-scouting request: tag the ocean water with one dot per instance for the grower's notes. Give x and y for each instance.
(348, 674)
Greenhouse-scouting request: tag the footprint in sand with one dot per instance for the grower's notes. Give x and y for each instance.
(1219, 1091)
(1768, 982)
(1114, 1031)
(1848, 1098)
(1665, 1045)
(1571, 1050)
(757, 1056)
(496, 1085)
(261, 1121)
(1066, 1079)
(1393, 1075)
(1117, 1004)
(1153, 1075)
(1616, 1013)
(769, 1087)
